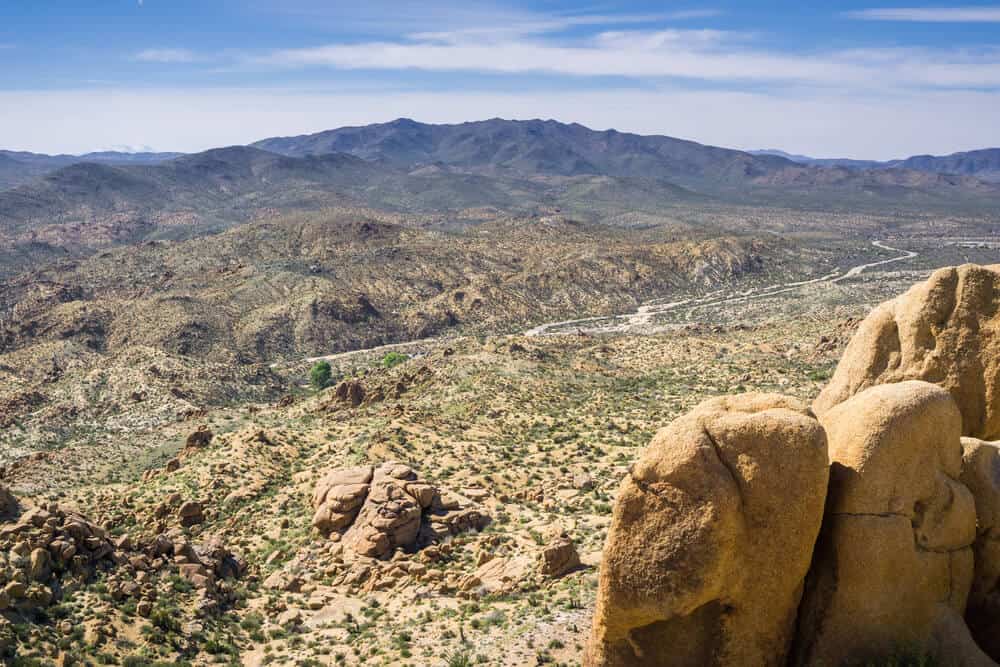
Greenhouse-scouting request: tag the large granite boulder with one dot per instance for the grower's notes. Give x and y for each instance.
(945, 331)
(711, 538)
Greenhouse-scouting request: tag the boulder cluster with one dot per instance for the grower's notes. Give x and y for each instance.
(758, 531)
(376, 510)
(48, 551)
(45, 551)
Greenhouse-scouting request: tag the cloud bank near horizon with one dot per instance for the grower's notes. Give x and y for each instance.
(188, 121)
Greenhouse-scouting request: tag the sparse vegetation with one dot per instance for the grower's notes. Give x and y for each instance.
(393, 358)
(320, 375)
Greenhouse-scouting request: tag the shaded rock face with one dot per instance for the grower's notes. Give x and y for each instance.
(706, 557)
(946, 331)
(199, 439)
(8, 503)
(894, 563)
(381, 509)
(391, 515)
(981, 474)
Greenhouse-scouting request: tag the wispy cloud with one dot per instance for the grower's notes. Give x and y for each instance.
(707, 55)
(167, 56)
(930, 14)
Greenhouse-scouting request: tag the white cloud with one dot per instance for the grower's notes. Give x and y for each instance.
(821, 123)
(708, 55)
(930, 14)
(545, 24)
(167, 56)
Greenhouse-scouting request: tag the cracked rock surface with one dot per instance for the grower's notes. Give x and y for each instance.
(981, 474)
(894, 562)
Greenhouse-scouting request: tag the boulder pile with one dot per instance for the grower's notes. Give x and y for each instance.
(752, 531)
(47, 551)
(377, 510)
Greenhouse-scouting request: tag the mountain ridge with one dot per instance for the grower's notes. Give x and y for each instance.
(548, 146)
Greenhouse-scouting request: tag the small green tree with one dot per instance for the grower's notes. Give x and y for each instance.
(393, 359)
(320, 375)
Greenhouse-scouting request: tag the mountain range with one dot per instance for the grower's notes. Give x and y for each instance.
(440, 174)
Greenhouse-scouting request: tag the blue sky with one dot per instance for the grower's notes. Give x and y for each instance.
(855, 79)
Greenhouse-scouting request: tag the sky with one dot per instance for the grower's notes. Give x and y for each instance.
(863, 79)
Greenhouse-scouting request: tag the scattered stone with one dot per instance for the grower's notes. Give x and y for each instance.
(191, 513)
(8, 503)
(352, 392)
(583, 481)
(558, 557)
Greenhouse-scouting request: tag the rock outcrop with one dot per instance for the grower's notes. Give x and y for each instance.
(945, 331)
(391, 514)
(48, 551)
(558, 557)
(380, 509)
(338, 497)
(711, 538)
(981, 474)
(894, 562)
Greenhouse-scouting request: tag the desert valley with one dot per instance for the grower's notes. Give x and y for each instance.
(651, 334)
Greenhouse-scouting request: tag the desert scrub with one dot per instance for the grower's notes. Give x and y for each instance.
(320, 375)
(392, 359)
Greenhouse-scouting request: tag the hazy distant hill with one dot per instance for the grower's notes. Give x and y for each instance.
(17, 167)
(14, 173)
(86, 206)
(982, 164)
(451, 175)
(90, 205)
(822, 162)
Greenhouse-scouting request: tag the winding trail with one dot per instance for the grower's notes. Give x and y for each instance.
(644, 314)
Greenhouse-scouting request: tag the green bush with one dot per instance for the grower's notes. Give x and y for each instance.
(320, 375)
(393, 359)
(457, 659)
